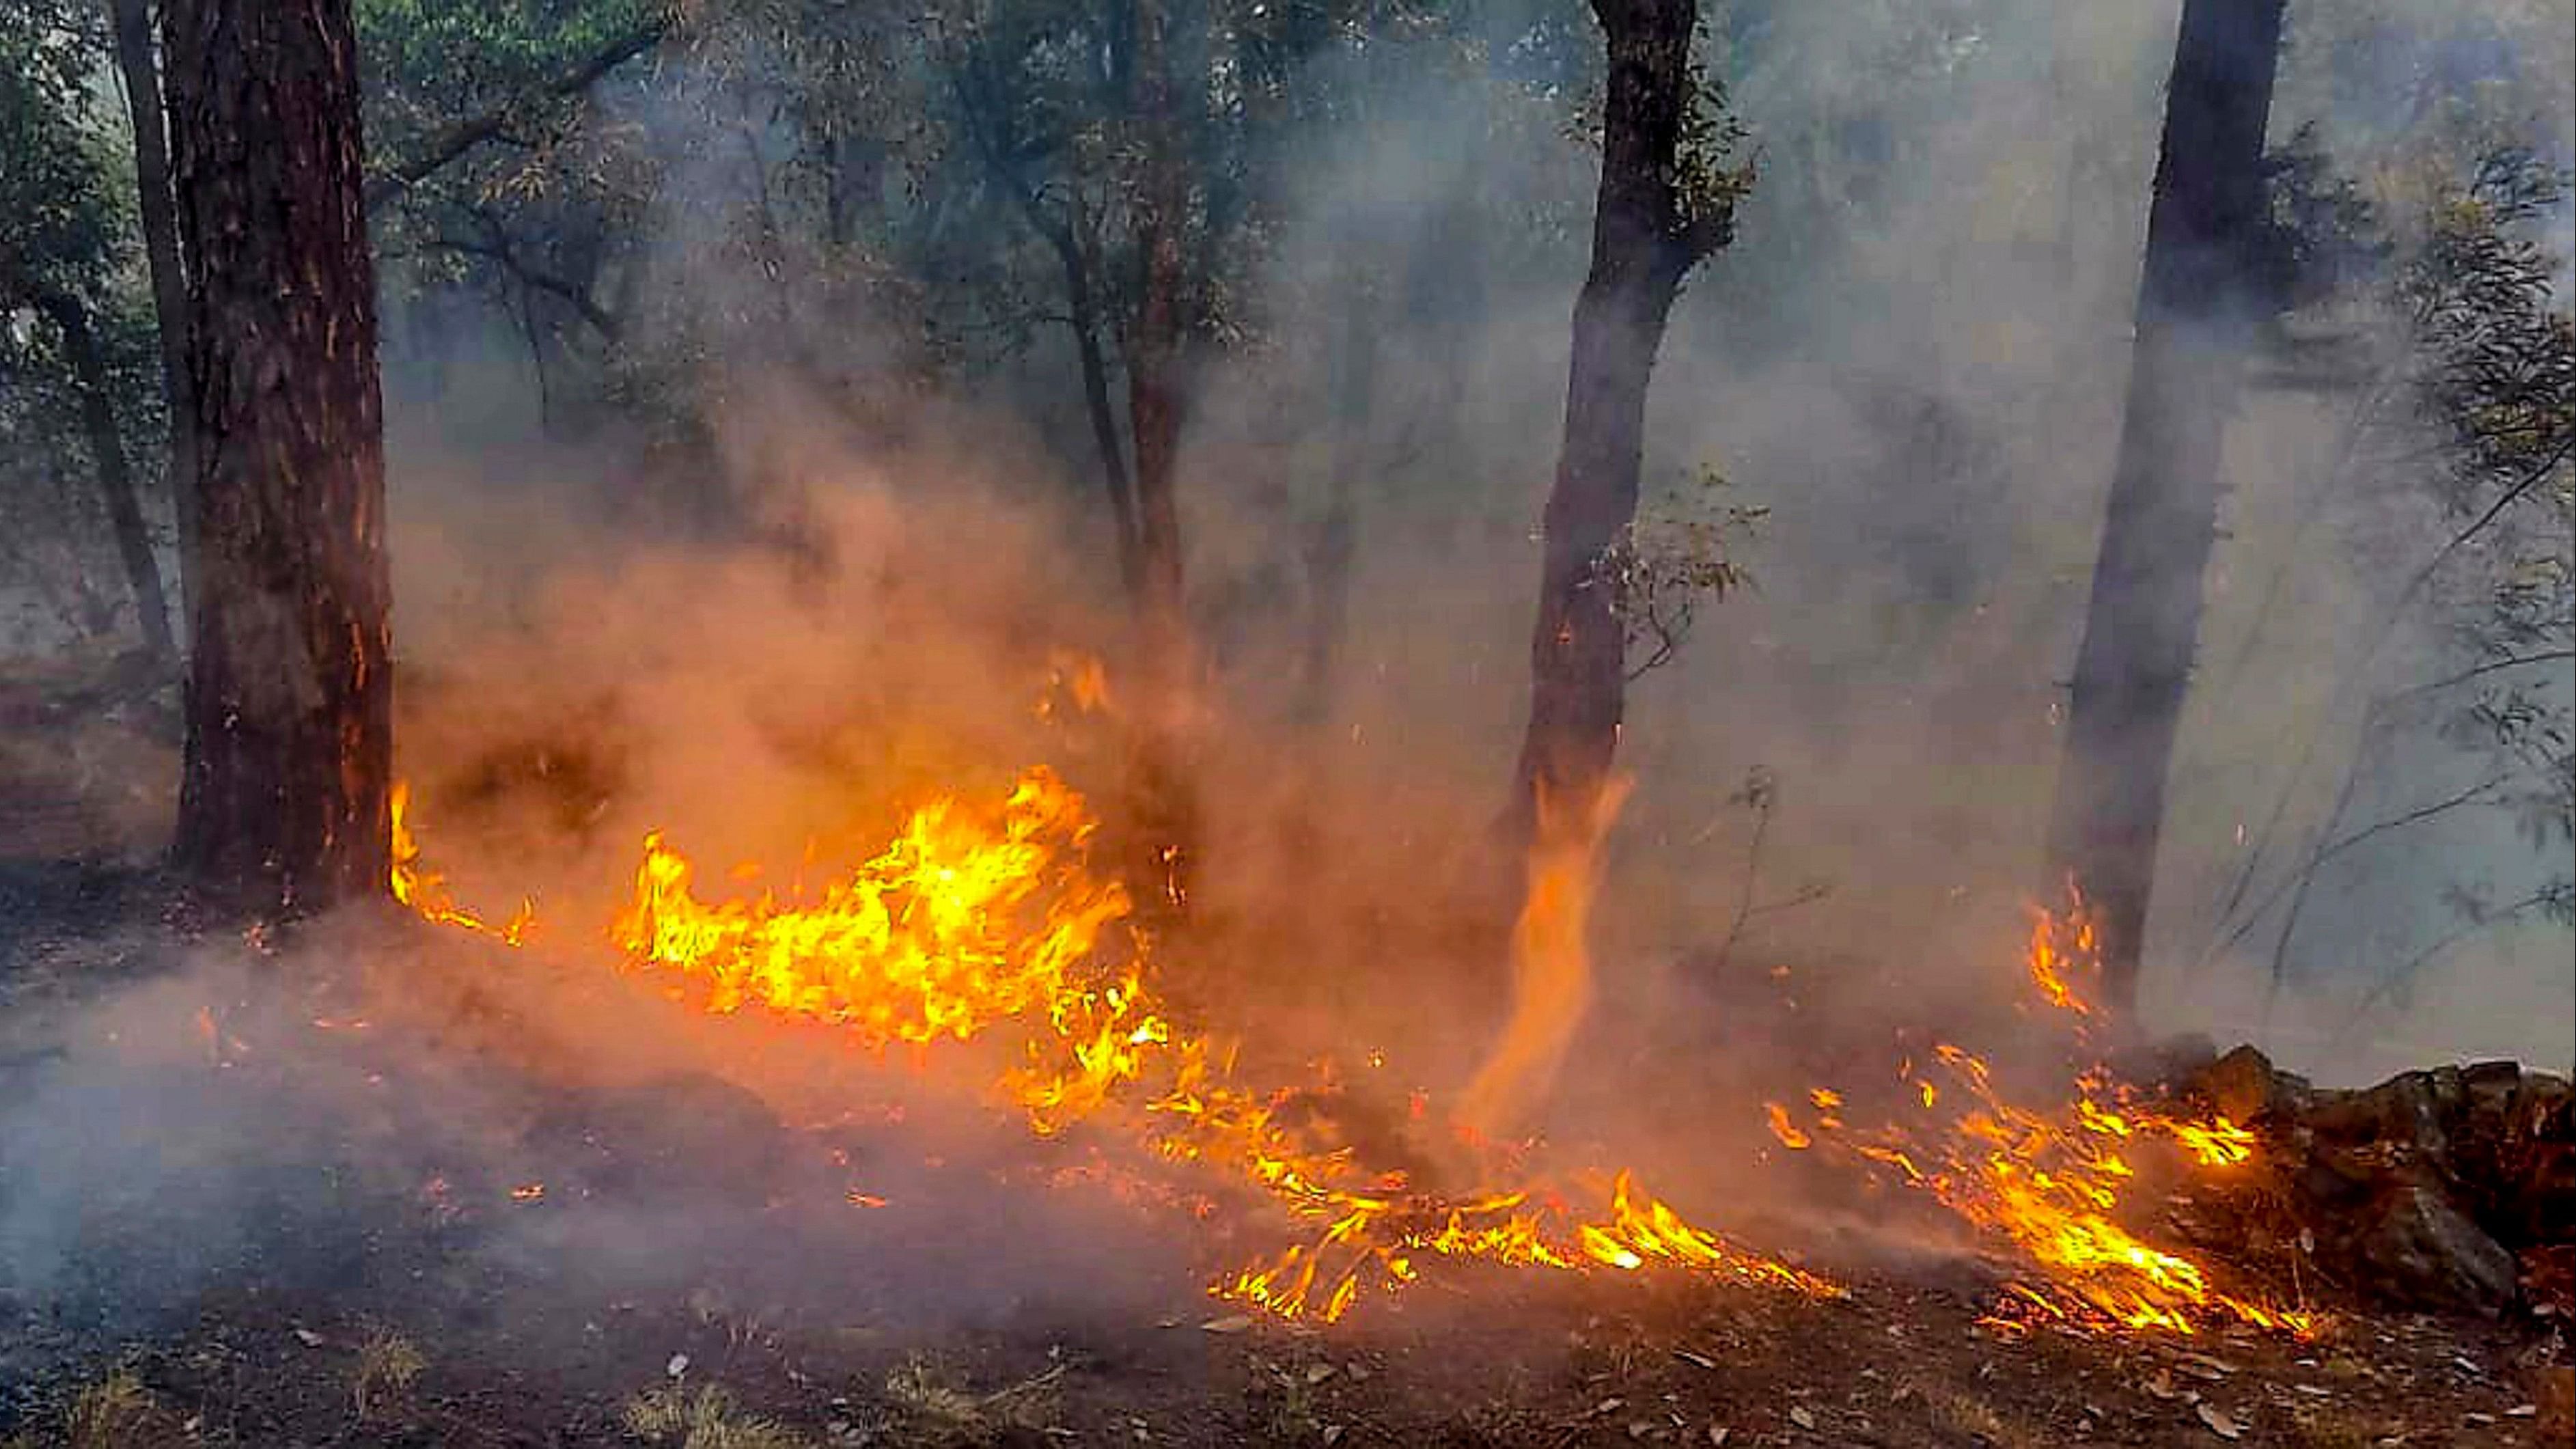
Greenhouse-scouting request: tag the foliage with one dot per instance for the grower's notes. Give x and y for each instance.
(2497, 390)
(66, 237)
(2449, 336)
(1679, 553)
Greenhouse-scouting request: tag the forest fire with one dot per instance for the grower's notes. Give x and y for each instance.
(2050, 1181)
(981, 919)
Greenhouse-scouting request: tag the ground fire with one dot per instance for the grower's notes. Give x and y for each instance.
(983, 919)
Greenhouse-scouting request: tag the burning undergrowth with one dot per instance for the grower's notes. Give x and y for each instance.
(982, 930)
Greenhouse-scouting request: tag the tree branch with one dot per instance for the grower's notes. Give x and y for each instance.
(2492, 666)
(499, 254)
(449, 144)
(2329, 851)
(2406, 970)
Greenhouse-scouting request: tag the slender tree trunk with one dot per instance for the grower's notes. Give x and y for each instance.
(1329, 551)
(1643, 244)
(159, 212)
(1165, 797)
(2196, 311)
(1083, 310)
(1154, 339)
(283, 799)
(115, 483)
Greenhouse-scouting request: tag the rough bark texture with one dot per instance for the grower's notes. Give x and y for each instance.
(1643, 243)
(115, 483)
(283, 801)
(160, 216)
(2194, 322)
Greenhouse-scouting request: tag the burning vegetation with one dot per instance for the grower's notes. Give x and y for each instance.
(781, 271)
(985, 919)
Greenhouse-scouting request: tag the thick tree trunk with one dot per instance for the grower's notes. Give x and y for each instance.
(115, 483)
(2196, 309)
(283, 800)
(1643, 244)
(159, 212)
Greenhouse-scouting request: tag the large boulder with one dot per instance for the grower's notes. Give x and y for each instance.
(2424, 1252)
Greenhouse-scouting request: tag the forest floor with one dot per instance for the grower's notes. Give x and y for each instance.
(271, 1230)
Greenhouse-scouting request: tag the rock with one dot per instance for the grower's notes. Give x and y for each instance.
(2492, 1087)
(2424, 1252)
(2334, 1181)
(2237, 1084)
(2543, 1211)
(2412, 1112)
(2242, 1085)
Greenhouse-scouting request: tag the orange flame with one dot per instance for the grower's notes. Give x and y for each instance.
(983, 920)
(1551, 962)
(2050, 1182)
(425, 892)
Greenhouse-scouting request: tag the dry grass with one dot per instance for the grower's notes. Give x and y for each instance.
(387, 1364)
(116, 1412)
(940, 1410)
(707, 1419)
(1962, 1414)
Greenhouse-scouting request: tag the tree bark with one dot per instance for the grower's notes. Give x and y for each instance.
(1154, 340)
(1643, 243)
(1082, 311)
(289, 752)
(160, 216)
(1165, 795)
(2196, 311)
(70, 317)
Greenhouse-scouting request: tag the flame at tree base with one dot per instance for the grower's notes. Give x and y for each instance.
(1551, 962)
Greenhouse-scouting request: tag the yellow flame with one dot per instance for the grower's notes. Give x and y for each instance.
(983, 919)
(425, 892)
(2050, 1182)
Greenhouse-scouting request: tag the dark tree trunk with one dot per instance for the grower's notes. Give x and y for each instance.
(1643, 243)
(1330, 549)
(115, 483)
(1083, 311)
(2196, 309)
(283, 800)
(1165, 798)
(1154, 340)
(159, 212)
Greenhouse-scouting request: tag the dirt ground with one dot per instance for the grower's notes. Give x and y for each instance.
(291, 1234)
